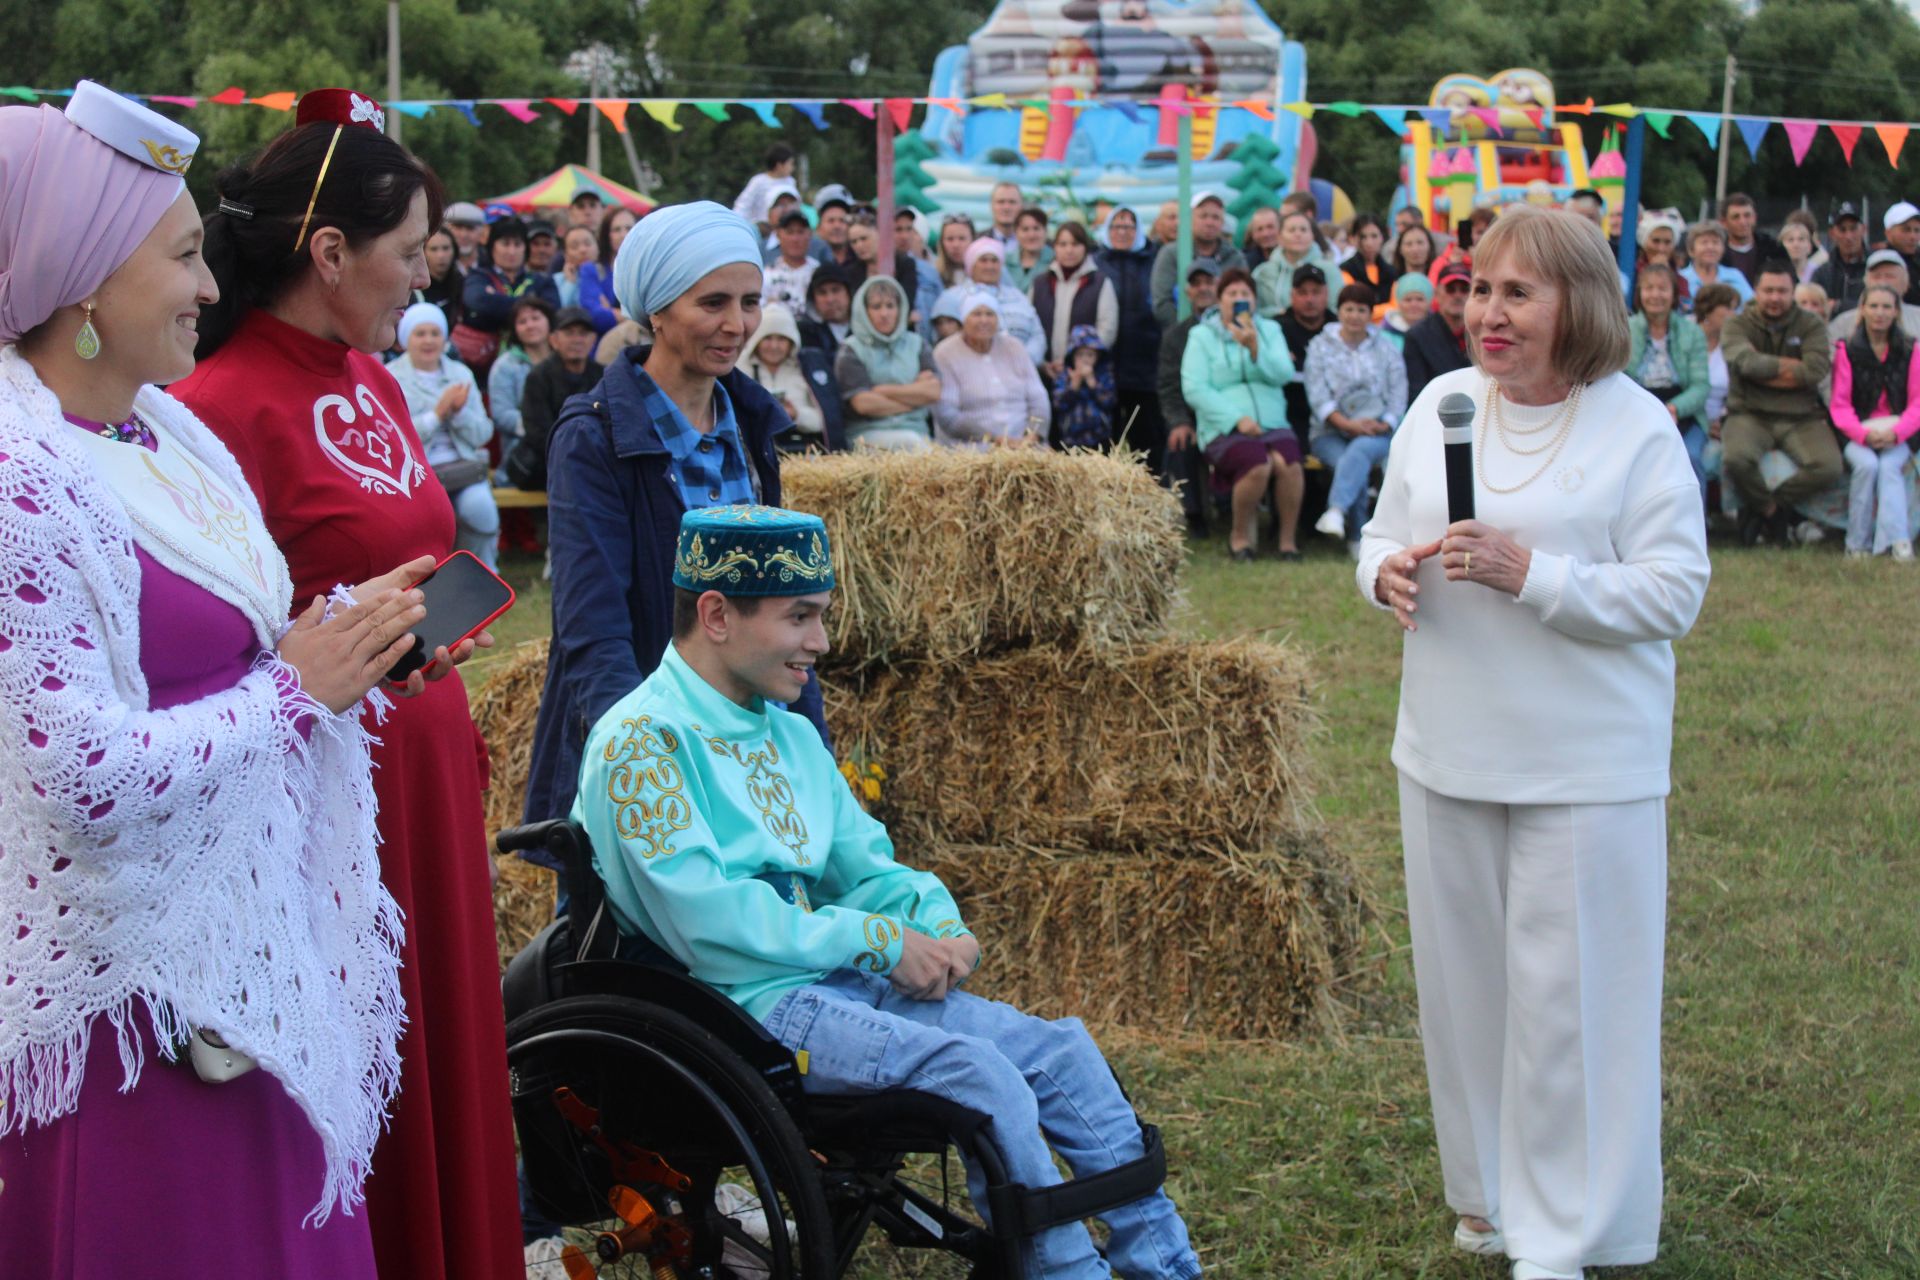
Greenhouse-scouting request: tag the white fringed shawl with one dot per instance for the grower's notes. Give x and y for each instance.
(210, 865)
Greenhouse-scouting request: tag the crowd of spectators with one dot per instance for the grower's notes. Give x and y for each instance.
(1783, 355)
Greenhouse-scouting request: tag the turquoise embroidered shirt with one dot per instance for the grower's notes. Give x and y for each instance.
(728, 836)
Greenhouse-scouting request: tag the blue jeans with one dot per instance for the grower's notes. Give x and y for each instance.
(478, 529)
(1353, 459)
(1032, 1076)
(1695, 438)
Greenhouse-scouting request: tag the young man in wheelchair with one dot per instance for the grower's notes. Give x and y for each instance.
(726, 837)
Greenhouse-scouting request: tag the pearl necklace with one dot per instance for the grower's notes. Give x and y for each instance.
(1562, 419)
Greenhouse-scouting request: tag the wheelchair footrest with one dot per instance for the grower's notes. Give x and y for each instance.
(1026, 1211)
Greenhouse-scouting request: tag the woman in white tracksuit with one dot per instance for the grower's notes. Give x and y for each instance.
(1536, 723)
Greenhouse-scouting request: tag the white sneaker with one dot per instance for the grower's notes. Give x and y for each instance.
(542, 1259)
(1332, 522)
(1486, 1244)
(1903, 551)
(1859, 553)
(1806, 533)
(1534, 1271)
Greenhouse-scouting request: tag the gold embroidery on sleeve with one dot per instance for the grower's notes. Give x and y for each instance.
(643, 760)
(881, 933)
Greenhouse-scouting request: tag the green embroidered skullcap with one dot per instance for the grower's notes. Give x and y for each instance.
(750, 550)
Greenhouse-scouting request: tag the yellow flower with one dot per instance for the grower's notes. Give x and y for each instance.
(871, 789)
(877, 772)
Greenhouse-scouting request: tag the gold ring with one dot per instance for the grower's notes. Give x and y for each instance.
(1469, 556)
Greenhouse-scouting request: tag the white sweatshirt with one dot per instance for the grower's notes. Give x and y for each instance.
(1563, 695)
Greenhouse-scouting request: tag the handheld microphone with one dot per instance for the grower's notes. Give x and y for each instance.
(1456, 434)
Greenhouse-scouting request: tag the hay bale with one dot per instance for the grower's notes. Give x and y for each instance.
(949, 554)
(504, 709)
(1171, 749)
(1246, 947)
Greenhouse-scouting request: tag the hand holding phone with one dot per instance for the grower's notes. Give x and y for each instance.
(462, 597)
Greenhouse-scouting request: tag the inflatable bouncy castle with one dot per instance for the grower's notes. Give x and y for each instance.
(1496, 143)
(1144, 58)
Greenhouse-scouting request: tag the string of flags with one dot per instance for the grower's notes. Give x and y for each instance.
(1752, 130)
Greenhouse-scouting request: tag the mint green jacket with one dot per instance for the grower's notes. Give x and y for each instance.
(1686, 348)
(727, 836)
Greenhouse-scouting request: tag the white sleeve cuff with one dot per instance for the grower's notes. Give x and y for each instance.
(1546, 575)
(1324, 410)
(1367, 573)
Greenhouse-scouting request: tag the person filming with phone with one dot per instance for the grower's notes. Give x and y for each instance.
(1234, 375)
(1535, 726)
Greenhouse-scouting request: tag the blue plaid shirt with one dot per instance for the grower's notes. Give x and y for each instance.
(709, 470)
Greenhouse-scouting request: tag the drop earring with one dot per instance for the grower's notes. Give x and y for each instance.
(86, 343)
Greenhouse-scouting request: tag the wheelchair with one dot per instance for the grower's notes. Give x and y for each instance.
(665, 1133)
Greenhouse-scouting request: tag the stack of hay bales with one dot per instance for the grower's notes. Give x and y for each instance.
(1126, 819)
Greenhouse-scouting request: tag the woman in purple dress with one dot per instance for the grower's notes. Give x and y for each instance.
(198, 993)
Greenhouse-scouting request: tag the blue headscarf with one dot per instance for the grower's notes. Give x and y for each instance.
(667, 252)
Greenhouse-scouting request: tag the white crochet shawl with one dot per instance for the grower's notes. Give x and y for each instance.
(212, 865)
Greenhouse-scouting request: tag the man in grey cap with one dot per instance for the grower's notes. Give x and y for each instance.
(1903, 237)
(1887, 267)
(468, 226)
(1844, 274)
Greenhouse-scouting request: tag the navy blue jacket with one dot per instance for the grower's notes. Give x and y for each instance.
(613, 521)
(1136, 349)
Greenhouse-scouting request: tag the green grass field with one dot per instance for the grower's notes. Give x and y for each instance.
(1793, 963)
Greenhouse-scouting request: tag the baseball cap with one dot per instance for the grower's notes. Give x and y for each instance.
(833, 193)
(465, 213)
(539, 227)
(507, 229)
(1201, 197)
(1455, 271)
(572, 316)
(792, 216)
(1841, 212)
(1885, 258)
(1308, 274)
(1902, 212)
(1206, 264)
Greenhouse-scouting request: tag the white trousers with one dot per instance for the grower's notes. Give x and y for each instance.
(1538, 940)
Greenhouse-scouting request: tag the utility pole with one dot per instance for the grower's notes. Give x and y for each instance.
(593, 115)
(1726, 137)
(393, 68)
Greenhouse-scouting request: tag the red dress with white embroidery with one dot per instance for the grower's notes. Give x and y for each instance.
(324, 437)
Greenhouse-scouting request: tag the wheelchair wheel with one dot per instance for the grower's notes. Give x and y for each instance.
(663, 1154)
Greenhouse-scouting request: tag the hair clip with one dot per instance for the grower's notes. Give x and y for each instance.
(234, 209)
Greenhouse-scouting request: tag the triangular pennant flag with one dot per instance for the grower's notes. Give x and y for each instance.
(158, 97)
(232, 96)
(1535, 116)
(1130, 110)
(21, 92)
(1848, 136)
(1800, 137)
(1708, 124)
(1259, 106)
(812, 111)
(1577, 108)
(865, 106)
(614, 109)
(567, 105)
(1395, 118)
(1351, 110)
(1034, 104)
(1752, 132)
(465, 107)
(764, 110)
(412, 110)
(1437, 118)
(662, 111)
(901, 109)
(712, 110)
(951, 104)
(1625, 111)
(1302, 109)
(520, 109)
(282, 101)
(1892, 137)
(1488, 116)
(1660, 122)
(989, 100)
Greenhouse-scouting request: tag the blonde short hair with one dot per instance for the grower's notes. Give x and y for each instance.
(1591, 338)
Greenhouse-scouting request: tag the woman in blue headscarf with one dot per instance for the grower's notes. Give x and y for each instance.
(671, 426)
(886, 372)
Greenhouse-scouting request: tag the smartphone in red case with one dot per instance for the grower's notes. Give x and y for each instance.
(462, 597)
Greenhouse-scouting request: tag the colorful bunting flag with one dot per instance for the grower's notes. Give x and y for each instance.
(1351, 110)
(662, 112)
(865, 106)
(1892, 137)
(951, 104)
(1847, 135)
(276, 101)
(1800, 137)
(520, 109)
(991, 101)
(1624, 110)
(568, 105)
(21, 92)
(1488, 116)
(465, 108)
(1302, 109)
(169, 99)
(1259, 106)
(812, 111)
(232, 96)
(1395, 118)
(412, 110)
(1576, 108)
(1752, 132)
(715, 111)
(614, 109)
(1708, 124)
(1132, 112)
(1438, 118)
(764, 110)
(1660, 122)
(901, 109)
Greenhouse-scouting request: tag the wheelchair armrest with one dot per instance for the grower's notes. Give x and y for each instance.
(534, 835)
(1026, 1211)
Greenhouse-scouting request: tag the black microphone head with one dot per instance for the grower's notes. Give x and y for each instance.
(1457, 410)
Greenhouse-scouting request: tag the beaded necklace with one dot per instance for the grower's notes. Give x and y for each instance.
(1562, 419)
(133, 431)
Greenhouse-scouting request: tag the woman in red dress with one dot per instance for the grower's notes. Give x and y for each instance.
(317, 245)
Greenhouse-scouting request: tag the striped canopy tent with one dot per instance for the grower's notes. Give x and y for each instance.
(557, 190)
